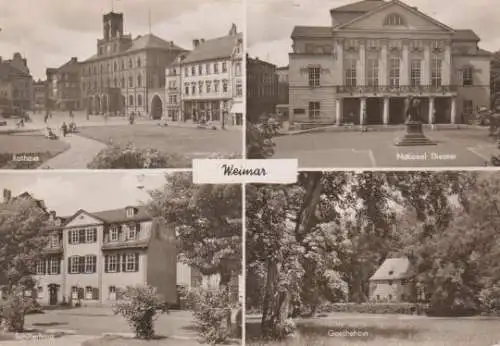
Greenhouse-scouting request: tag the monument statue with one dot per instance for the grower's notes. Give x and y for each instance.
(412, 110)
(414, 132)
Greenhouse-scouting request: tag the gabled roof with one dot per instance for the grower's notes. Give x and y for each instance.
(393, 269)
(465, 35)
(119, 215)
(217, 48)
(151, 41)
(7, 70)
(360, 6)
(384, 5)
(312, 31)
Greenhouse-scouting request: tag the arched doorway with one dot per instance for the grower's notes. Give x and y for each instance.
(156, 108)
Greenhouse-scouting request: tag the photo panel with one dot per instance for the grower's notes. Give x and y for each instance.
(120, 84)
(371, 84)
(374, 258)
(120, 258)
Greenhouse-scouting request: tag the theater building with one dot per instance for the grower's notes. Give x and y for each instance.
(375, 55)
(127, 75)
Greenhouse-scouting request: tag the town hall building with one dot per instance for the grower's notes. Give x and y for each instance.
(375, 55)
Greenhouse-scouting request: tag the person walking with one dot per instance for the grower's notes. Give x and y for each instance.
(64, 129)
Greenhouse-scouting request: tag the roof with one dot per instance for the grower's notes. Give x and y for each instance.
(360, 6)
(7, 70)
(148, 41)
(465, 35)
(312, 31)
(281, 68)
(115, 215)
(393, 269)
(217, 48)
(69, 65)
(151, 41)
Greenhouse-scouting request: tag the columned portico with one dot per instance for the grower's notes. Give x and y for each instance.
(386, 111)
(453, 110)
(431, 111)
(338, 111)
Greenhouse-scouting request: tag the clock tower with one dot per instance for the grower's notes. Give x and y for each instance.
(113, 41)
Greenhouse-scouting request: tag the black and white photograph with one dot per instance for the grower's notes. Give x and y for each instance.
(373, 83)
(374, 259)
(120, 84)
(126, 258)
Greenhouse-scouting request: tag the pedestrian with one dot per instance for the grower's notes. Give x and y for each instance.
(71, 115)
(46, 117)
(64, 129)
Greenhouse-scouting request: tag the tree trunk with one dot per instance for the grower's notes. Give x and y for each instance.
(271, 301)
(224, 283)
(306, 218)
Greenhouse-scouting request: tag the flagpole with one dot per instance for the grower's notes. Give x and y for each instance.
(149, 19)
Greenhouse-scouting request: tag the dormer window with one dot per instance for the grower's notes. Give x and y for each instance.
(130, 212)
(394, 19)
(391, 272)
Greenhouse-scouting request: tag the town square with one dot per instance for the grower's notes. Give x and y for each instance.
(126, 78)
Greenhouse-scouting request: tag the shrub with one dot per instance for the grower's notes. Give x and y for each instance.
(212, 313)
(260, 144)
(490, 300)
(130, 157)
(140, 305)
(14, 307)
(372, 308)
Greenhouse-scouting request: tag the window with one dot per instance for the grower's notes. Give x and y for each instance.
(131, 100)
(378, 297)
(91, 235)
(436, 72)
(74, 265)
(467, 78)
(186, 89)
(314, 110)
(54, 241)
(123, 82)
(40, 267)
(390, 296)
(216, 86)
(113, 263)
(468, 107)
(132, 232)
(131, 264)
(193, 71)
(130, 63)
(372, 72)
(193, 89)
(115, 66)
(200, 70)
(74, 237)
(216, 67)
(237, 69)
(139, 100)
(74, 292)
(200, 87)
(112, 292)
(209, 86)
(415, 72)
(207, 68)
(224, 86)
(314, 76)
(186, 71)
(54, 266)
(350, 72)
(394, 72)
(90, 264)
(390, 282)
(224, 67)
(394, 19)
(239, 88)
(139, 62)
(139, 81)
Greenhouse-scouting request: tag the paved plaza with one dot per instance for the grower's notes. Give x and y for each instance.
(469, 147)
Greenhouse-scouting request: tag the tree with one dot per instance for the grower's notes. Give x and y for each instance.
(208, 223)
(259, 139)
(23, 237)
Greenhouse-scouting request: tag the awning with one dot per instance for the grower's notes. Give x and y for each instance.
(237, 108)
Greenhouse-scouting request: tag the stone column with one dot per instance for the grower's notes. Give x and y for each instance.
(338, 111)
(453, 110)
(340, 61)
(362, 111)
(431, 110)
(427, 65)
(405, 70)
(446, 67)
(383, 64)
(362, 70)
(386, 111)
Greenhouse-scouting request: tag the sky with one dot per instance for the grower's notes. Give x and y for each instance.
(270, 22)
(49, 32)
(67, 192)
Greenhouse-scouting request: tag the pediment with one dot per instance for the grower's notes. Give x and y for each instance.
(82, 218)
(412, 20)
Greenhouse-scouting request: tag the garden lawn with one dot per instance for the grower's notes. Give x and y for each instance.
(28, 143)
(192, 142)
(386, 330)
(121, 341)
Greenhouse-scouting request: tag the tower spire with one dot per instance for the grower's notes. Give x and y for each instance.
(149, 19)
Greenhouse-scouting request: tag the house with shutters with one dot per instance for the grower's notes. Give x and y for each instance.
(393, 282)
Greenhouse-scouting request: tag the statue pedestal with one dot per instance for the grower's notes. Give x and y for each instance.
(414, 136)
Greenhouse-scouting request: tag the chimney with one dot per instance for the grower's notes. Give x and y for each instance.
(7, 195)
(233, 30)
(1, 61)
(196, 43)
(52, 215)
(74, 59)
